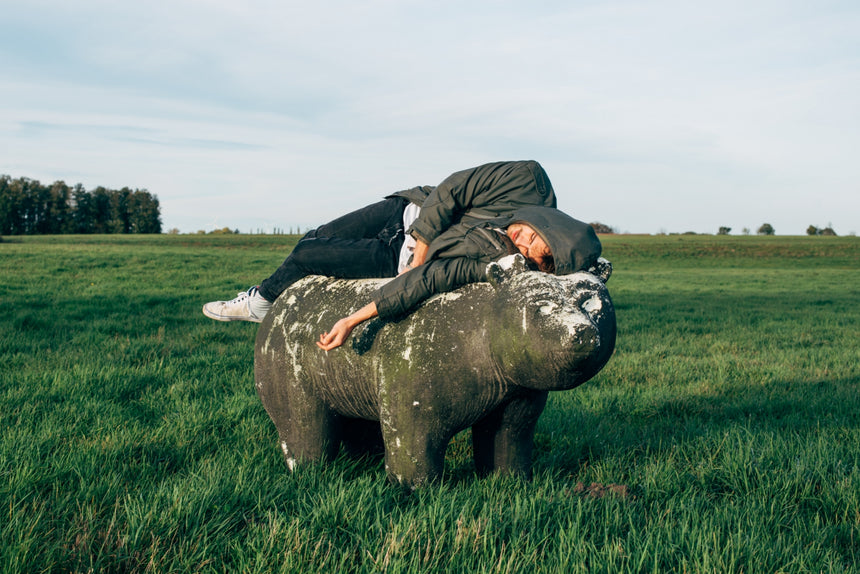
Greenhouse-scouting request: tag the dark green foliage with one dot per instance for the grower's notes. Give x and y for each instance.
(827, 231)
(30, 208)
(766, 229)
(601, 228)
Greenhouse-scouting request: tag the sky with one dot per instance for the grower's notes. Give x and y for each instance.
(652, 116)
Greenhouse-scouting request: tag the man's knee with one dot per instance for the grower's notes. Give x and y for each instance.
(309, 251)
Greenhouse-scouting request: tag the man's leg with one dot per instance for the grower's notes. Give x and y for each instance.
(375, 220)
(361, 244)
(358, 245)
(334, 257)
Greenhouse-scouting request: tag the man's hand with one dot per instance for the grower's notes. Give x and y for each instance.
(338, 334)
(343, 328)
(419, 256)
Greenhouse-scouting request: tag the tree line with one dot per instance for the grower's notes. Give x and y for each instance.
(29, 208)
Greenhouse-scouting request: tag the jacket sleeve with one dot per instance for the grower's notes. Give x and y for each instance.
(404, 293)
(485, 191)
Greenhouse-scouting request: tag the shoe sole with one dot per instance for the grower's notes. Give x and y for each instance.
(227, 319)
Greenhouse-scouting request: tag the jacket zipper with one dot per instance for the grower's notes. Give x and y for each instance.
(490, 235)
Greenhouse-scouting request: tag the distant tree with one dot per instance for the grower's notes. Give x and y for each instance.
(745, 231)
(100, 210)
(144, 212)
(28, 207)
(119, 220)
(7, 205)
(83, 212)
(724, 230)
(765, 229)
(812, 230)
(828, 231)
(40, 209)
(601, 227)
(60, 198)
(19, 217)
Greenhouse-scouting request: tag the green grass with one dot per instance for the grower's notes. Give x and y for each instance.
(133, 439)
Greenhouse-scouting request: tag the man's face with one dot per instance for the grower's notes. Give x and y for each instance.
(530, 244)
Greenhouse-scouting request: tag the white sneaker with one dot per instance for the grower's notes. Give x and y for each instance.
(247, 306)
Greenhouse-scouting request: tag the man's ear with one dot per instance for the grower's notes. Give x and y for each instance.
(507, 266)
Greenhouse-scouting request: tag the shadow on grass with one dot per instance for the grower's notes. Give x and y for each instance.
(570, 438)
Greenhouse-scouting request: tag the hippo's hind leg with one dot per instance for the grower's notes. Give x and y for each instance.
(308, 430)
(503, 440)
(309, 434)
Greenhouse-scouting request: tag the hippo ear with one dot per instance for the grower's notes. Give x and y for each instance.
(602, 269)
(507, 266)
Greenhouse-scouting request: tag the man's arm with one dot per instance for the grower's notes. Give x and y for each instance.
(404, 293)
(343, 328)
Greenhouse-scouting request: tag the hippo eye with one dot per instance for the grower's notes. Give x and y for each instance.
(547, 307)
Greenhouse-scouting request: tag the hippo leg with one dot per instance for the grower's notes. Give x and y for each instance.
(308, 431)
(414, 455)
(503, 440)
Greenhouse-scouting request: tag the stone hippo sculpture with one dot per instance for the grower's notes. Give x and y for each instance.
(483, 356)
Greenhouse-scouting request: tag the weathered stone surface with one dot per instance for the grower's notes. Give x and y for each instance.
(483, 356)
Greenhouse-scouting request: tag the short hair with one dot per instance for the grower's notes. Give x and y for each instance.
(547, 265)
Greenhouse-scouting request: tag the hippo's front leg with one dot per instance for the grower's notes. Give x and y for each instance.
(415, 440)
(503, 440)
(414, 460)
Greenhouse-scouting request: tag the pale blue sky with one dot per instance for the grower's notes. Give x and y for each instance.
(649, 116)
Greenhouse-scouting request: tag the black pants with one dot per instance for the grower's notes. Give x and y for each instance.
(362, 244)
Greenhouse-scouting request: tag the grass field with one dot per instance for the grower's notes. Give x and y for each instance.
(729, 418)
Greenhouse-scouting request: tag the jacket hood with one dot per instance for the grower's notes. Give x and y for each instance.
(573, 243)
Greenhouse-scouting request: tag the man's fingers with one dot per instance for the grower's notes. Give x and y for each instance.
(329, 341)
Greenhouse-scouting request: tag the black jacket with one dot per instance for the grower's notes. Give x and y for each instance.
(478, 194)
(460, 255)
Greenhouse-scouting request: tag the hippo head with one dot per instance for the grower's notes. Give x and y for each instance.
(551, 332)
